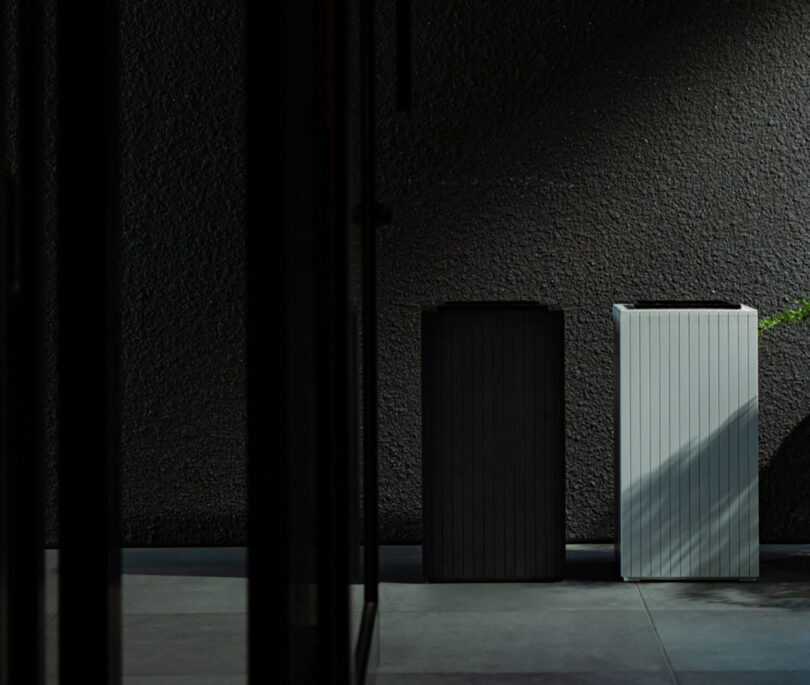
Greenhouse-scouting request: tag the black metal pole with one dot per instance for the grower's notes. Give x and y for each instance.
(331, 223)
(5, 389)
(26, 611)
(368, 219)
(89, 342)
(368, 223)
(269, 543)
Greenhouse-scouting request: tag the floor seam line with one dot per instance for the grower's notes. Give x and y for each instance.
(657, 636)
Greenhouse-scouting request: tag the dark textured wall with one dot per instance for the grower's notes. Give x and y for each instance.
(579, 152)
(183, 282)
(586, 152)
(182, 202)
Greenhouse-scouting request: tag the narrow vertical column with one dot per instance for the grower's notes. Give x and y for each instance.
(368, 223)
(654, 380)
(297, 344)
(5, 390)
(645, 474)
(624, 493)
(723, 500)
(23, 278)
(684, 445)
(734, 379)
(636, 479)
(664, 454)
(269, 551)
(752, 485)
(331, 223)
(89, 342)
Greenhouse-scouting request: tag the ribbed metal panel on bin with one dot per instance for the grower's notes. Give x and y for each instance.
(493, 442)
(686, 441)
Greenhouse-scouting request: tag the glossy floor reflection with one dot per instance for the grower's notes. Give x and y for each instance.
(185, 623)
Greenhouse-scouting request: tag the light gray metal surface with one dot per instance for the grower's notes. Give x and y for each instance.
(686, 442)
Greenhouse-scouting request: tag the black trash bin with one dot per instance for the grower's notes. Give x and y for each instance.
(493, 441)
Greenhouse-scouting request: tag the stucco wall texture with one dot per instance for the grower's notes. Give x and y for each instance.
(183, 426)
(182, 204)
(577, 152)
(582, 153)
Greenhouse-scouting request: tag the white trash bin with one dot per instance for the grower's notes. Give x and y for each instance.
(686, 440)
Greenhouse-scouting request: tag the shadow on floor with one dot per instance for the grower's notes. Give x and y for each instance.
(403, 563)
(591, 563)
(784, 583)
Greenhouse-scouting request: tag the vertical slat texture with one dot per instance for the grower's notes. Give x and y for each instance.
(734, 442)
(744, 410)
(693, 436)
(488, 443)
(723, 501)
(445, 505)
(689, 479)
(714, 471)
(664, 457)
(684, 446)
(624, 343)
(544, 521)
(555, 428)
(466, 460)
(499, 439)
(644, 446)
(635, 446)
(493, 441)
(520, 448)
(509, 443)
(753, 447)
(550, 504)
(532, 416)
(456, 455)
(704, 567)
(655, 436)
(437, 418)
(477, 515)
(430, 415)
(671, 445)
(674, 449)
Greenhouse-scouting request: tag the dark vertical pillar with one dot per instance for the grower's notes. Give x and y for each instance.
(89, 346)
(26, 622)
(333, 311)
(268, 330)
(297, 344)
(368, 222)
(4, 384)
(368, 216)
(5, 390)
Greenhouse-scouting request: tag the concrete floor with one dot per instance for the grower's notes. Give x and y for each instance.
(185, 623)
(593, 629)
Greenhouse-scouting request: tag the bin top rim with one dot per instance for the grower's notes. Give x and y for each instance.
(684, 306)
